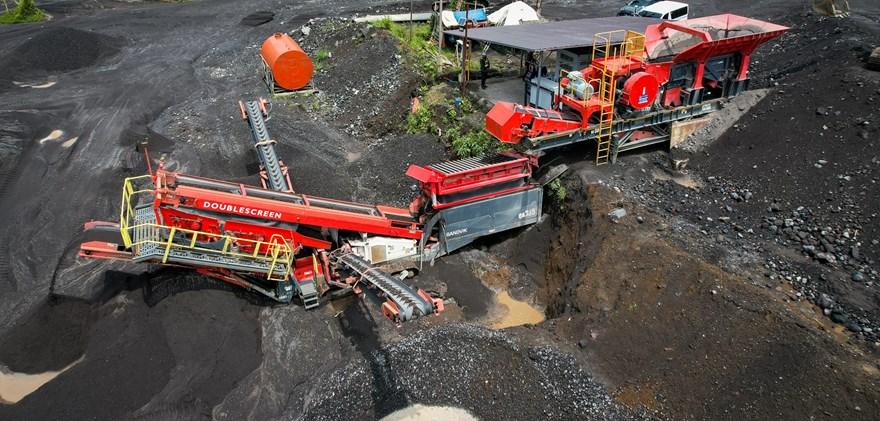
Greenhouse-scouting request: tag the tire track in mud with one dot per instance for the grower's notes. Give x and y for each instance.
(6, 281)
(12, 133)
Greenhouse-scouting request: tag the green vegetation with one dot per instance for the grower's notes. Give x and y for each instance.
(25, 11)
(439, 112)
(419, 121)
(321, 57)
(322, 54)
(459, 126)
(472, 143)
(557, 192)
(419, 48)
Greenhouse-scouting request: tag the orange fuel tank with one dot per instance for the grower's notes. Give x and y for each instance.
(290, 65)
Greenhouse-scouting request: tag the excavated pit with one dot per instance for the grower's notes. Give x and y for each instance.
(676, 335)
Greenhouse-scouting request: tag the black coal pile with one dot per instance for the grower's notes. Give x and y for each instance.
(175, 359)
(485, 372)
(56, 50)
(393, 155)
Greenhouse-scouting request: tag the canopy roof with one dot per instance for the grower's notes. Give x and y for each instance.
(558, 35)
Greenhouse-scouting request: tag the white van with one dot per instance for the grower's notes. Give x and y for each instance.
(666, 10)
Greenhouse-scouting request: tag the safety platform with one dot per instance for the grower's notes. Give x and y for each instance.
(150, 241)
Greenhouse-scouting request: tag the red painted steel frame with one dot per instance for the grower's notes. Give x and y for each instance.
(438, 183)
(510, 123)
(173, 202)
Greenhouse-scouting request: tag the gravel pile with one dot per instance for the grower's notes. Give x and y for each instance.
(722, 213)
(483, 371)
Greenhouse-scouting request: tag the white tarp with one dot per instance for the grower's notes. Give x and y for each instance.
(448, 19)
(514, 14)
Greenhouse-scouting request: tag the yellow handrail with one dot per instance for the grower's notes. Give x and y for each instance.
(272, 253)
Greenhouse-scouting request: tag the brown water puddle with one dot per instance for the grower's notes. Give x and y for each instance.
(15, 386)
(54, 135)
(515, 312)
(684, 180)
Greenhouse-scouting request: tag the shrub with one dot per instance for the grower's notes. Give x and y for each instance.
(557, 192)
(26, 11)
(472, 143)
(419, 121)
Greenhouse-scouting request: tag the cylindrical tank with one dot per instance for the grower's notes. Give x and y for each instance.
(290, 65)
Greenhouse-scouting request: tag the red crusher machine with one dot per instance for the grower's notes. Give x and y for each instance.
(638, 84)
(284, 244)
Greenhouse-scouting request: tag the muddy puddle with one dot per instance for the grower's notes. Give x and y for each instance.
(54, 135)
(430, 413)
(684, 180)
(35, 85)
(514, 312)
(16, 386)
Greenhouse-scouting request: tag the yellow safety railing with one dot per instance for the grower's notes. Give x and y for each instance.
(274, 252)
(615, 47)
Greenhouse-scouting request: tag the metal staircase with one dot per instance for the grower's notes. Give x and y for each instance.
(611, 50)
(160, 244)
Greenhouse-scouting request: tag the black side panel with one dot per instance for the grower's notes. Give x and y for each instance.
(463, 224)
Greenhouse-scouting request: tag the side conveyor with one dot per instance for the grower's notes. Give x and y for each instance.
(409, 302)
(276, 173)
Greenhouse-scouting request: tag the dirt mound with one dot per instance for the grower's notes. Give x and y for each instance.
(381, 171)
(58, 49)
(488, 373)
(365, 85)
(810, 184)
(680, 336)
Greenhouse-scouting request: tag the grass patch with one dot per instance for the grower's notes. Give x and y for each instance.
(322, 54)
(321, 57)
(25, 12)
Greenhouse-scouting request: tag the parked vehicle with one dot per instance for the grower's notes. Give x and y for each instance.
(633, 7)
(666, 10)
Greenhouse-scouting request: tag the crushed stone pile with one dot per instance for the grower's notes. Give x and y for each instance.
(486, 372)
